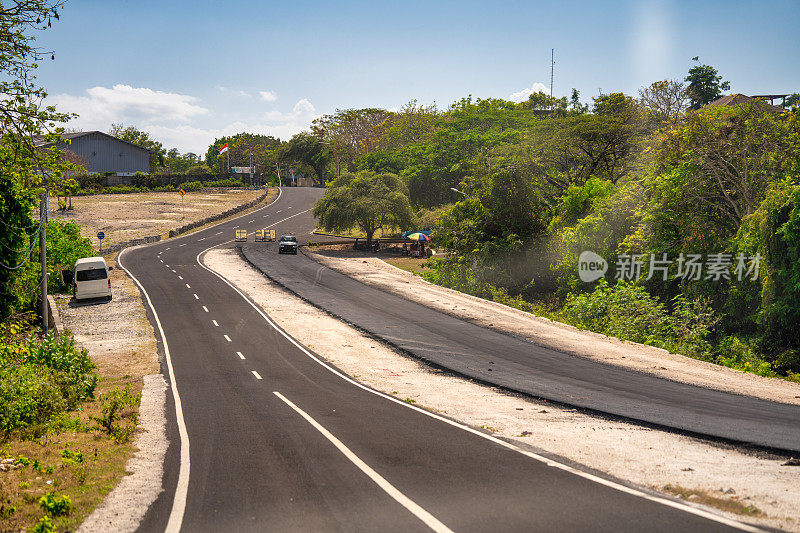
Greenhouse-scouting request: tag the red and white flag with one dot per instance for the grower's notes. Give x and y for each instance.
(224, 148)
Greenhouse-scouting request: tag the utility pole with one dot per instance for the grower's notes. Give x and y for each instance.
(552, 65)
(43, 251)
(251, 168)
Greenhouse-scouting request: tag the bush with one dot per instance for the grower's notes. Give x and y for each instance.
(29, 396)
(73, 364)
(65, 245)
(55, 505)
(192, 186)
(624, 310)
(39, 380)
(119, 405)
(628, 312)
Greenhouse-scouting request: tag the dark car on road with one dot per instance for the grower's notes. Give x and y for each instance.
(287, 244)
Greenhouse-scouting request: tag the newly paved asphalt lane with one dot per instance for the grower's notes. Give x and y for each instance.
(519, 365)
(270, 438)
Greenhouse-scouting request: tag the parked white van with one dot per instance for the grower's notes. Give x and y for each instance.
(91, 279)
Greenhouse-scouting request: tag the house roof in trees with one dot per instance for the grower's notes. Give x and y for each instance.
(39, 140)
(732, 100)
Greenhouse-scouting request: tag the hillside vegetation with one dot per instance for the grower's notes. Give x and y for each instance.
(696, 213)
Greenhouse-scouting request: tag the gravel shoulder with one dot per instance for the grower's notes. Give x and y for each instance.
(542, 331)
(122, 344)
(642, 456)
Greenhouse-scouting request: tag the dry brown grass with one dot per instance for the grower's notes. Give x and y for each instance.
(727, 504)
(131, 216)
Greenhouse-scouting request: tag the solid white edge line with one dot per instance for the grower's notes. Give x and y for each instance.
(256, 374)
(427, 518)
(549, 462)
(182, 489)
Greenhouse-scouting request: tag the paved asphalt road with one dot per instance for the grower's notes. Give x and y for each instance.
(522, 366)
(266, 437)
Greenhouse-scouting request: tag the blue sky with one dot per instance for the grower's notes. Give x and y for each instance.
(190, 71)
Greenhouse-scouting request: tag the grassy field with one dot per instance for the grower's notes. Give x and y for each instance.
(131, 216)
(414, 265)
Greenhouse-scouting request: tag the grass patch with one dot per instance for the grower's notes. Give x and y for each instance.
(414, 265)
(67, 459)
(704, 497)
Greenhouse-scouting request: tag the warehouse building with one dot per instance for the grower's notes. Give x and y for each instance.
(104, 153)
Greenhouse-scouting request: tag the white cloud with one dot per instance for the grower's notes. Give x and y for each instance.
(268, 96)
(234, 92)
(126, 104)
(523, 95)
(170, 118)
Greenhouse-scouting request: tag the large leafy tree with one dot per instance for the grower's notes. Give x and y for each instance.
(665, 100)
(705, 84)
(351, 133)
(24, 168)
(264, 149)
(365, 200)
(306, 150)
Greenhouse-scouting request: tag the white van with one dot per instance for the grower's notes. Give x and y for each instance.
(91, 279)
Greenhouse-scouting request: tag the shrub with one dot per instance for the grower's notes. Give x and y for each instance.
(624, 310)
(44, 525)
(59, 352)
(65, 245)
(118, 405)
(29, 396)
(192, 186)
(39, 380)
(55, 505)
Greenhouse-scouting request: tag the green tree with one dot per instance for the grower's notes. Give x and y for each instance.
(365, 200)
(141, 138)
(705, 84)
(307, 150)
(263, 148)
(665, 100)
(24, 168)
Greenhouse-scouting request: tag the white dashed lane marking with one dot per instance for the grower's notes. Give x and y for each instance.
(256, 374)
(215, 323)
(240, 355)
(180, 277)
(188, 286)
(205, 309)
(196, 297)
(227, 338)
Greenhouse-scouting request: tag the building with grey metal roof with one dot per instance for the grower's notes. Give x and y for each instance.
(105, 153)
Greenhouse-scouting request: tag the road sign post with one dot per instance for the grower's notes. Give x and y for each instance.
(100, 237)
(182, 193)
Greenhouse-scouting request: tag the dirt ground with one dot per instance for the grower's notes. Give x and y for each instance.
(131, 216)
(374, 271)
(753, 487)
